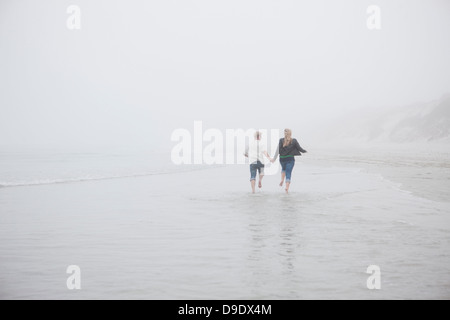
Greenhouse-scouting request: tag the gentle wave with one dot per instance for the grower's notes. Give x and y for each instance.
(99, 178)
(62, 181)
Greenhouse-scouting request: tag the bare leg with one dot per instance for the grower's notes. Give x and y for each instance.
(253, 185)
(288, 184)
(283, 175)
(261, 176)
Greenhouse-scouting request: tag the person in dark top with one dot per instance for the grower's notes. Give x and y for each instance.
(288, 148)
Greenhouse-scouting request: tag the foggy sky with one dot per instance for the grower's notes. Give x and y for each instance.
(137, 70)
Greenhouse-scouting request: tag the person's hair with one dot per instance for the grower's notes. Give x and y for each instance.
(287, 137)
(258, 135)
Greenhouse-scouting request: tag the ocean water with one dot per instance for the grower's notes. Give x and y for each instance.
(50, 167)
(141, 228)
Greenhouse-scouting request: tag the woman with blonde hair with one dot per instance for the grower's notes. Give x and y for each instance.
(288, 148)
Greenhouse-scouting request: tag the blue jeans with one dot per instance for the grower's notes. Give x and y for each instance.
(287, 164)
(256, 166)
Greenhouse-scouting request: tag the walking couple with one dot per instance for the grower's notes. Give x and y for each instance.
(287, 149)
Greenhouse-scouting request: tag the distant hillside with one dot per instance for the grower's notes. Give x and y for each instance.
(428, 122)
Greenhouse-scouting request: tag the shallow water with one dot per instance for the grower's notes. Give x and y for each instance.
(201, 234)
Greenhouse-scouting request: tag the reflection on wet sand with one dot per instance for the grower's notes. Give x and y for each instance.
(273, 244)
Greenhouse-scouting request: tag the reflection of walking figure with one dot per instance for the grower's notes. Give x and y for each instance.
(255, 153)
(288, 148)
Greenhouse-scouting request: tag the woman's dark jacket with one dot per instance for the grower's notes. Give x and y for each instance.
(293, 149)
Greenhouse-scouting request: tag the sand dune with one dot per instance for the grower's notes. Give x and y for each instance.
(414, 124)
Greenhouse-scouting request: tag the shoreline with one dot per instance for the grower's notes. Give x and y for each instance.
(179, 236)
(426, 176)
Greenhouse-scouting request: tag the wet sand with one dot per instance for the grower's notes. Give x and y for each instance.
(202, 235)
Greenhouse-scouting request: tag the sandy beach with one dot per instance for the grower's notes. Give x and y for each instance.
(124, 126)
(201, 235)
